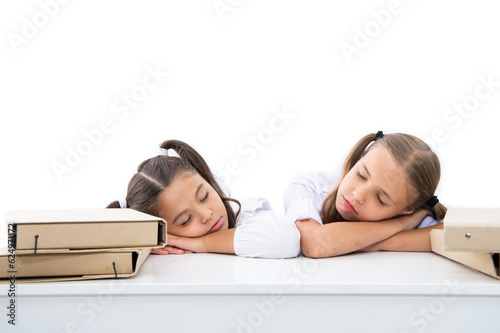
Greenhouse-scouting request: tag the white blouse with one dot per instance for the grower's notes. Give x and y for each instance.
(260, 233)
(305, 195)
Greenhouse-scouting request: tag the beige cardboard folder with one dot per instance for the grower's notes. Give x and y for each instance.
(485, 262)
(77, 265)
(474, 230)
(61, 230)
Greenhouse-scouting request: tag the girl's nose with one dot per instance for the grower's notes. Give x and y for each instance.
(359, 195)
(206, 215)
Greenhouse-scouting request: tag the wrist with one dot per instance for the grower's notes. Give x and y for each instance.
(405, 222)
(204, 244)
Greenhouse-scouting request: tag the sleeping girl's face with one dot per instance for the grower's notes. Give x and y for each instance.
(192, 207)
(375, 189)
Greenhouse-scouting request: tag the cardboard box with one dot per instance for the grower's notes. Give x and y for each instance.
(485, 262)
(51, 231)
(474, 230)
(76, 265)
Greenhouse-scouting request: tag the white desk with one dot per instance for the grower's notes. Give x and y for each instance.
(367, 292)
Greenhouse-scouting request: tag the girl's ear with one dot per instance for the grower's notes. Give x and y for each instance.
(408, 212)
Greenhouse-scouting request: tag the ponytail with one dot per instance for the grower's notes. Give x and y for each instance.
(190, 155)
(438, 211)
(435, 208)
(114, 204)
(155, 174)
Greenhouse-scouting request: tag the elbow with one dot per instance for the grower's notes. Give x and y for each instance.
(318, 242)
(312, 247)
(312, 251)
(316, 246)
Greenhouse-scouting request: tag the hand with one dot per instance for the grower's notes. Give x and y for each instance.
(188, 244)
(411, 221)
(169, 249)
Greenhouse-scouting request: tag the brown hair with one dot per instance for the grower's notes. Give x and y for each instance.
(154, 175)
(419, 162)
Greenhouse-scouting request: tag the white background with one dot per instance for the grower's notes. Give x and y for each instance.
(64, 68)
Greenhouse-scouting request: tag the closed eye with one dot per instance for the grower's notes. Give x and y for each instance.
(205, 197)
(380, 200)
(360, 176)
(186, 222)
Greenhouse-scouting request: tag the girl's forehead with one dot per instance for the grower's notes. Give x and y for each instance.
(386, 173)
(380, 158)
(183, 181)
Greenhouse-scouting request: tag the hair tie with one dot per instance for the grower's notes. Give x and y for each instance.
(379, 135)
(432, 202)
(123, 203)
(163, 152)
(167, 152)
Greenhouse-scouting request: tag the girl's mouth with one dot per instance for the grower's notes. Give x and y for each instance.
(217, 225)
(348, 205)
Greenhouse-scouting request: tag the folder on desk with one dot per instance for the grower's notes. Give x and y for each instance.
(472, 230)
(76, 265)
(63, 230)
(485, 262)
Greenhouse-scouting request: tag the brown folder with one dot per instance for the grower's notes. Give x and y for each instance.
(63, 230)
(76, 265)
(485, 262)
(472, 230)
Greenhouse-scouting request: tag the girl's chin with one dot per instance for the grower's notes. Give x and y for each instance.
(345, 214)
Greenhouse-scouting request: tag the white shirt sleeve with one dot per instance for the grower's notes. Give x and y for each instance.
(304, 197)
(260, 233)
(427, 222)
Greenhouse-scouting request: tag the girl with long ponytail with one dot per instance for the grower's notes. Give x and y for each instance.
(183, 191)
(387, 186)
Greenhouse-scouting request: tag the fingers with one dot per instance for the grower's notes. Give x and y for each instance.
(421, 213)
(175, 242)
(169, 250)
(416, 218)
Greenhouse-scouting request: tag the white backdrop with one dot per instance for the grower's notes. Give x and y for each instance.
(262, 89)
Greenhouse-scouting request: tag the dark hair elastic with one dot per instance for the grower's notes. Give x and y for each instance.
(379, 135)
(432, 202)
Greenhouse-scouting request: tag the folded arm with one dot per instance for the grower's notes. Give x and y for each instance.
(264, 235)
(334, 239)
(417, 240)
(215, 242)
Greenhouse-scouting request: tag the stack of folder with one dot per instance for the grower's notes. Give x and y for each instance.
(81, 244)
(470, 237)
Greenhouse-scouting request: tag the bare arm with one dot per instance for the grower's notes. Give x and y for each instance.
(217, 242)
(417, 240)
(333, 239)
